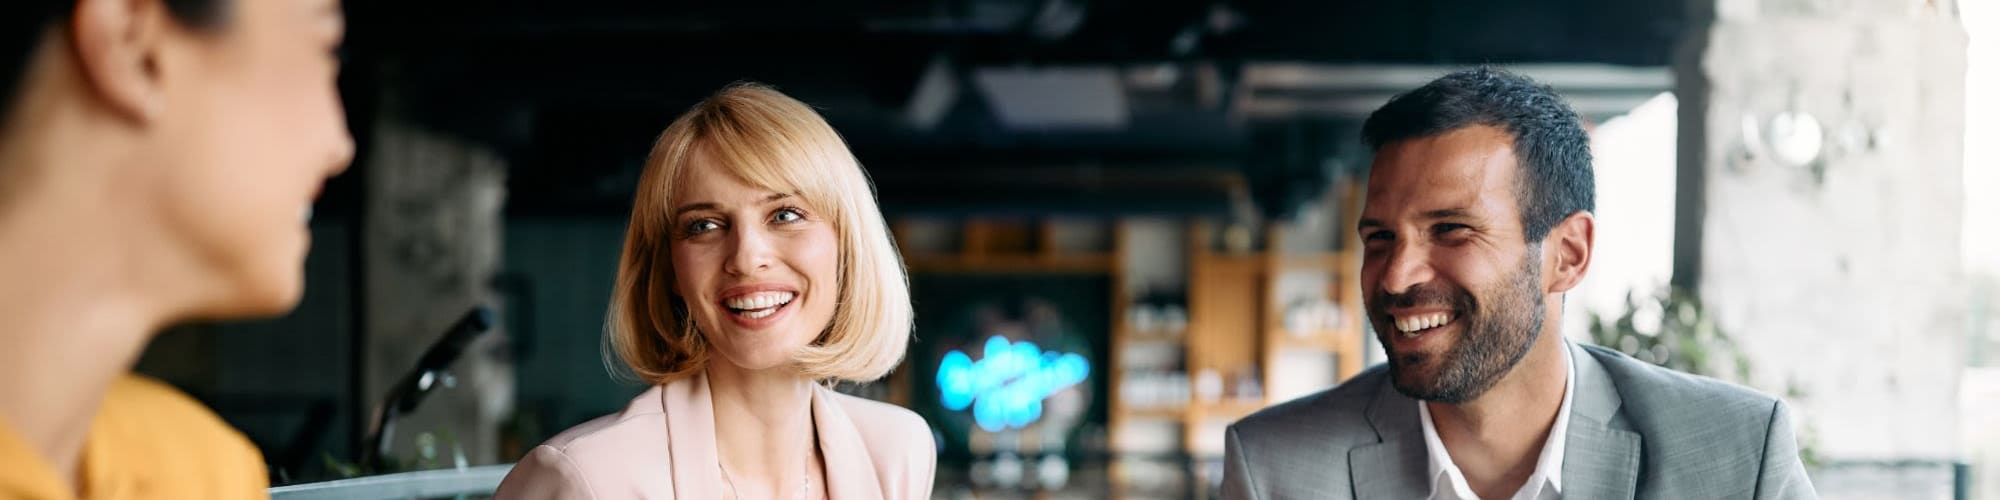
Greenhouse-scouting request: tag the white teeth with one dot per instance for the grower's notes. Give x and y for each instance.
(759, 302)
(1412, 324)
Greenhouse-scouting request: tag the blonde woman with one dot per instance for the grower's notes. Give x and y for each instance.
(756, 267)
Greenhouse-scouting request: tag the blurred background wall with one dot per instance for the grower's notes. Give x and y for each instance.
(1837, 265)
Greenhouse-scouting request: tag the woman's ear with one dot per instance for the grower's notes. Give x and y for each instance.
(118, 48)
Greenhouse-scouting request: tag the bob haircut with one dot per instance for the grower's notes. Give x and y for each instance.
(774, 142)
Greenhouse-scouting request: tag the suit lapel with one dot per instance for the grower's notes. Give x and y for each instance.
(850, 471)
(691, 437)
(1601, 458)
(1389, 470)
(1397, 466)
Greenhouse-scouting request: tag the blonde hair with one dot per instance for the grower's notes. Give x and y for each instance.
(774, 142)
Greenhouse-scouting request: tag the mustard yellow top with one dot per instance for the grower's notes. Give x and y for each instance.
(147, 441)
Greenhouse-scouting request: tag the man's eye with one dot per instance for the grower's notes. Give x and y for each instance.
(1379, 236)
(1448, 228)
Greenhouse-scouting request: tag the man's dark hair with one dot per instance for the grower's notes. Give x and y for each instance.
(1555, 177)
(23, 22)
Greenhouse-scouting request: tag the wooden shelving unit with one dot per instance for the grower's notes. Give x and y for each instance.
(1235, 316)
(1344, 342)
(1235, 322)
(1002, 247)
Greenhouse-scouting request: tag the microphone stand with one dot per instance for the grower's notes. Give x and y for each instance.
(431, 370)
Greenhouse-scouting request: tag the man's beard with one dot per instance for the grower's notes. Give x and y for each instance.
(1493, 337)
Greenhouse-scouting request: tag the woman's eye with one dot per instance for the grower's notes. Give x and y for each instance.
(787, 215)
(699, 227)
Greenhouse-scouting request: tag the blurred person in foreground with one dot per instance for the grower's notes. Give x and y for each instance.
(1478, 219)
(756, 267)
(157, 160)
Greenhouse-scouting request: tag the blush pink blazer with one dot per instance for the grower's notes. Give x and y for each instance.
(662, 446)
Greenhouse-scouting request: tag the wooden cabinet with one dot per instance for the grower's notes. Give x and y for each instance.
(1237, 329)
(1239, 334)
(1261, 326)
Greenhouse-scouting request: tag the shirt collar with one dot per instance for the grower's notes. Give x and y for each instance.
(1447, 481)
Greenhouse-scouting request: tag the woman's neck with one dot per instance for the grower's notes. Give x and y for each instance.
(764, 429)
(75, 322)
(90, 273)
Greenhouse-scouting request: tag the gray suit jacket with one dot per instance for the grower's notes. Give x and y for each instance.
(1636, 431)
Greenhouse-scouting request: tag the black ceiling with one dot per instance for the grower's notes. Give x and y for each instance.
(573, 91)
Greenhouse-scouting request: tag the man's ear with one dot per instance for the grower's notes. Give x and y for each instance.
(117, 46)
(1569, 246)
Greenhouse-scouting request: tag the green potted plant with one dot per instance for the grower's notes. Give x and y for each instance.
(1671, 328)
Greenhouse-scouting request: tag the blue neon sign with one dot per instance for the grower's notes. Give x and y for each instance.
(1006, 387)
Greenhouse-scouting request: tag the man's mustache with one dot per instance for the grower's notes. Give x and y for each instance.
(1424, 295)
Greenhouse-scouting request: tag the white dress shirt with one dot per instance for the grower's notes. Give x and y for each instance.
(1448, 483)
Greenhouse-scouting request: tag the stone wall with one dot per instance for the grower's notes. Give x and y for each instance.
(1841, 275)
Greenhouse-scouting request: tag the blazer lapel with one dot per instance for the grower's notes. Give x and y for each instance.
(1601, 458)
(1397, 466)
(691, 437)
(850, 472)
